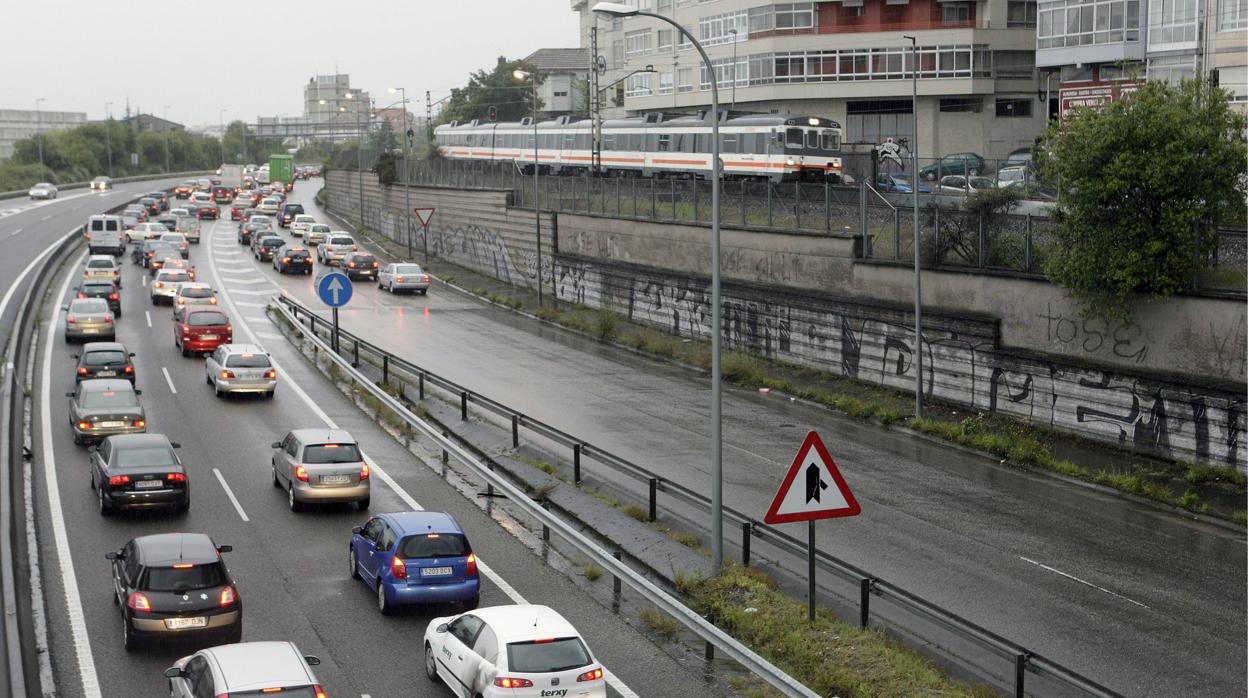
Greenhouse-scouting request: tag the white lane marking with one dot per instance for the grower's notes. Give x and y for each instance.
(149, 318)
(254, 293)
(230, 493)
(47, 217)
(145, 281)
(169, 380)
(65, 561)
(249, 318)
(15, 232)
(377, 470)
(1081, 581)
(269, 335)
(249, 304)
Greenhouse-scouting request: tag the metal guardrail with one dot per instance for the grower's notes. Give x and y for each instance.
(710, 633)
(18, 193)
(869, 585)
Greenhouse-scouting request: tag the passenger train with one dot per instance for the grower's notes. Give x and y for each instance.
(778, 147)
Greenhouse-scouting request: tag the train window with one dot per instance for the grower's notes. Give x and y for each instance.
(728, 143)
(829, 140)
(704, 143)
(569, 141)
(665, 142)
(582, 141)
(812, 139)
(635, 141)
(608, 141)
(793, 137)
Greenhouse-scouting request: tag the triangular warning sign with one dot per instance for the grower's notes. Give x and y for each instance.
(424, 214)
(813, 488)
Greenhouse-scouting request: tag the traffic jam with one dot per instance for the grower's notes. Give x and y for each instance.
(177, 587)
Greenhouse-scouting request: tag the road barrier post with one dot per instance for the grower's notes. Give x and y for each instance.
(1020, 672)
(515, 431)
(463, 405)
(654, 498)
(745, 543)
(355, 355)
(616, 585)
(864, 601)
(421, 384)
(446, 456)
(385, 369)
(576, 464)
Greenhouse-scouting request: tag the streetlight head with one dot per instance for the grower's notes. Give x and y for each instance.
(649, 69)
(520, 74)
(348, 96)
(392, 90)
(615, 9)
(321, 101)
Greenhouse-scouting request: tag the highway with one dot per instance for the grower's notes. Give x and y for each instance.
(1143, 601)
(291, 569)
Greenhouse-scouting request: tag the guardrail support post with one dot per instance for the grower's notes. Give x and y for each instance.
(385, 369)
(576, 464)
(421, 383)
(515, 431)
(463, 405)
(746, 531)
(446, 456)
(616, 586)
(864, 601)
(654, 498)
(1028, 253)
(1021, 660)
(355, 354)
(710, 652)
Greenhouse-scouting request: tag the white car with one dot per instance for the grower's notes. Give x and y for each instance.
(316, 234)
(245, 669)
(146, 231)
(43, 190)
(269, 205)
(181, 212)
(165, 285)
(190, 294)
(336, 246)
(958, 184)
(403, 276)
(240, 368)
(261, 220)
(300, 225)
(518, 651)
(102, 266)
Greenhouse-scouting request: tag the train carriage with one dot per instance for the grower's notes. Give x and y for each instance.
(779, 147)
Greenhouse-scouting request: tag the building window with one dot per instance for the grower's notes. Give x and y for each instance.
(560, 93)
(1171, 22)
(638, 85)
(783, 16)
(684, 80)
(1014, 107)
(1014, 64)
(617, 52)
(974, 61)
(962, 104)
(1064, 23)
(663, 6)
(727, 72)
(955, 12)
(1020, 13)
(665, 83)
(637, 43)
(1234, 15)
(1121, 71)
(665, 41)
(875, 120)
(723, 29)
(1172, 69)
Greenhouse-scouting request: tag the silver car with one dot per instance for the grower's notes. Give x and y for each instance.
(335, 247)
(179, 242)
(240, 368)
(245, 668)
(320, 465)
(403, 276)
(102, 407)
(89, 318)
(316, 234)
(165, 285)
(102, 266)
(43, 190)
(191, 294)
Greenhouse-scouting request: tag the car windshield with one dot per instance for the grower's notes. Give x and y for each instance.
(173, 277)
(247, 361)
(142, 456)
(407, 269)
(109, 398)
(97, 288)
(319, 228)
(206, 319)
(196, 292)
(537, 657)
(186, 578)
(433, 545)
(100, 358)
(88, 305)
(331, 453)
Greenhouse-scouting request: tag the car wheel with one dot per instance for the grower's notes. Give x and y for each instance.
(183, 507)
(290, 499)
(471, 604)
(355, 564)
(185, 351)
(105, 509)
(431, 664)
(208, 379)
(216, 390)
(382, 604)
(269, 395)
(235, 635)
(363, 503)
(127, 638)
(78, 441)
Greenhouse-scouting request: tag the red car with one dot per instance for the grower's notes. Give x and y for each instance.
(202, 330)
(183, 190)
(222, 194)
(236, 211)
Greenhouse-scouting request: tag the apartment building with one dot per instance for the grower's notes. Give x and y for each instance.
(17, 124)
(848, 60)
(332, 108)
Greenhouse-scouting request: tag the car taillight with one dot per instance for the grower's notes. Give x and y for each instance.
(355, 248)
(264, 250)
(108, 317)
(158, 285)
(228, 596)
(271, 374)
(83, 371)
(117, 480)
(114, 296)
(211, 301)
(509, 682)
(186, 329)
(591, 675)
(399, 279)
(320, 692)
(181, 301)
(226, 374)
(424, 277)
(139, 602)
(351, 264)
(285, 260)
(375, 265)
(364, 472)
(139, 424)
(128, 369)
(71, 319)
(82, 295)
(84, 426)
(470, 565)
(301, 473)
(398, 569)
(176, 477)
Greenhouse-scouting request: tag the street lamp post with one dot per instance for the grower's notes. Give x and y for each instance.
(221, 118)
(167, 130)
(914, 188)
(717, 469)
(537, 215)
(733, 31)
(108, 135)
(407, 154)
(39, 132)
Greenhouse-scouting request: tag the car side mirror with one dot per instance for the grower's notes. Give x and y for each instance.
(174, 673)
(69, 394)
(131, 355)
(175, 444)
(93, 449)
(138, 392)
(113, 555)
(64, 307)
(225, 548)
(440, 629)
(75, 356)
(357, 529)
(311, 660)
(275, 444)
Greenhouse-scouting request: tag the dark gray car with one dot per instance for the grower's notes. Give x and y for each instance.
(102, 407)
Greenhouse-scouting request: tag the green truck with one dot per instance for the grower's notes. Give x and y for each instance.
(282, 169)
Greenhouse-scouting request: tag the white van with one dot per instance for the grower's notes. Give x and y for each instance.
(106, 235)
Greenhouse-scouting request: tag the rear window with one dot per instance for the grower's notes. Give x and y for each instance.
(196, 292)
(185, 578)
(143, 456)
(299, 254)
(110, 398)
(206, 319)
(173, 277)
(331, 453)
(539, 657)
(247, 361)
(88, 305)
(100, 358)
(407, 269)
(287, 692)
(363, 259)
(341, 240)
(98, 288)
(292, 209)
(100, 263)
(433, 545)
(319, 228)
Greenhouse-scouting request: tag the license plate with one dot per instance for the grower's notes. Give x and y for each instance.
(209, 336)
(435, 571)
(181, 623)
(335, 479)
(89, 330)
(111, 425)
(103, 374)
(149, 484)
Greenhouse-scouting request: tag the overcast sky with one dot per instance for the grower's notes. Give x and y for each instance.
(253, 58)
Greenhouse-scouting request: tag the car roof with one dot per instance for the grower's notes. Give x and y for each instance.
(424, 522)
(104, 385)
(93, 302)
(520, 622)
(170, 548)
(194, 285)
(103, 346)
(323, 436)
(244, 349)
(206, 309)
(109, 257)
(138, 440)
(248, 666)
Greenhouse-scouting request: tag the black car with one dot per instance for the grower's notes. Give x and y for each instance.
(104, 360)
(265, 246)
(360, 265)
(293, 260)
(152, 249)
(287, 213)
(247, 231)
(152, 205)
(162, 197)
(139, 471)
(104, 407)
(168, 220)
(174, 586)
(101, 288)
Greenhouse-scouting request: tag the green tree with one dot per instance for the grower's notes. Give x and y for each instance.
(1142, 183)
(497, 88)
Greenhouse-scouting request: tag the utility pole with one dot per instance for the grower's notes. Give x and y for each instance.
(108, 135)
(428, 120)
(167, 130)
(407, 155)
(914, 188)
(595, 105)
(221, 117)
(39, 132)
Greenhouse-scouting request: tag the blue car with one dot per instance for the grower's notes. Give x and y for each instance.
(898, 183)
(415, 557)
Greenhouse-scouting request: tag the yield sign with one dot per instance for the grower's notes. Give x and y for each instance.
(813, 488)
(424, 214)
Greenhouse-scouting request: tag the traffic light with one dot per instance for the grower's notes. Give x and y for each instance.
(493, 113)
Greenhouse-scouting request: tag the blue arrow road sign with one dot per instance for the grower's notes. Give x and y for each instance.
(334, 289)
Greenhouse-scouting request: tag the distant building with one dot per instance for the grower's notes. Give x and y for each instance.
(334, 110)
(152, 124)
(565, 77)
(396, 119)
(17, 124)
